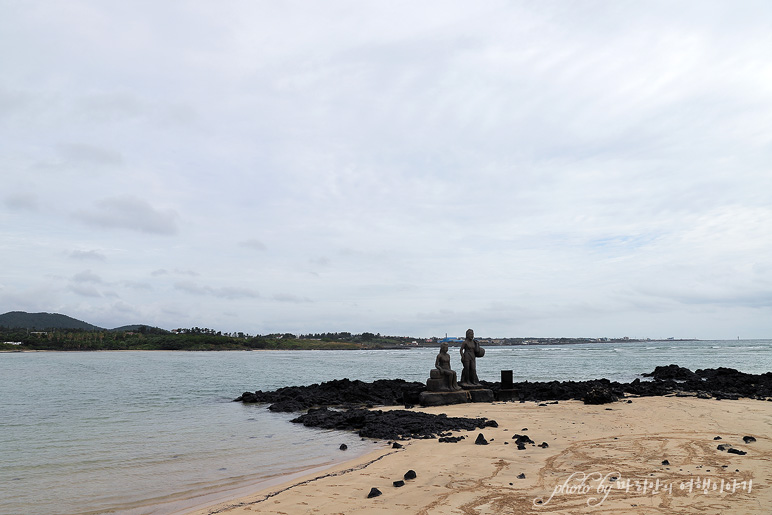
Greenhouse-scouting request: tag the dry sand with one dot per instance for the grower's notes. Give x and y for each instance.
(589, 446)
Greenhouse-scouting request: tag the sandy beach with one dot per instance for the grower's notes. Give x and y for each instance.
(650, 455)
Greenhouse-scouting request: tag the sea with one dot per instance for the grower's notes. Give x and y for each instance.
(158, 433)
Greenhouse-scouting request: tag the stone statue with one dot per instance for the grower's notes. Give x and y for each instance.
(443, 371)
(470, 351)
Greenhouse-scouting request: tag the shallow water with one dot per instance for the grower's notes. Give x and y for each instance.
(128, 432)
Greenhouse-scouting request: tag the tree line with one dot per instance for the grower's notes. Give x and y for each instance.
(195, 338)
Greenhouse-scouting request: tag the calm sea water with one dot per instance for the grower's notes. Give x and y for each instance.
(156, 432)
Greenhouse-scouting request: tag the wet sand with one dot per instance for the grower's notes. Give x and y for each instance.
(599, 459)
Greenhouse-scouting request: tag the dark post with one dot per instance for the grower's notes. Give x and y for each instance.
(506, 380)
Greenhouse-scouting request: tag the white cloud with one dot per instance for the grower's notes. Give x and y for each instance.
(83, 154)
(288, 297)
(86, 276)
(225, 292)
(85, 290)
(129, 212)
(87, 255)
(518, 167)
(22, 202)
(253, 244)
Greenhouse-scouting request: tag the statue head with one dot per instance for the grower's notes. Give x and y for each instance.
(444, 347)
(469, 334)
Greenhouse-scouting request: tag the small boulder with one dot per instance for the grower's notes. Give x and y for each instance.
(481, 440)
(396, 445)
(736, 451)
(343, 447)
(521, 476)
(410, 474)
(599, 395)
(748, 439)
(399, 483)
(374, 492)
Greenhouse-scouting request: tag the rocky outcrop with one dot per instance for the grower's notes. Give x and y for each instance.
(339, 392)
(390, 425)
(720, 383)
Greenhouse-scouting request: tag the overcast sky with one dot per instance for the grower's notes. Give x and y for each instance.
(411, 168)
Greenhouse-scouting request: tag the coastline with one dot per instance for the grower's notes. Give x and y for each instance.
(599, 458)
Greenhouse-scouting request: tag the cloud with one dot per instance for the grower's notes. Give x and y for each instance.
(111, 107)
(176, 271)
(228, 292)
(133, 213)
(137, 285)
(22, 202)
(235, 292)
(87, 255)
(85, 154)
(538, 167)
(287, 297)
(253, 244)
(127, 310)
(87, 276)
(191, 287)
(84, 290)
(320, 261)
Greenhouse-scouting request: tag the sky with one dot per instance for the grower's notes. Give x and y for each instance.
(522, 168)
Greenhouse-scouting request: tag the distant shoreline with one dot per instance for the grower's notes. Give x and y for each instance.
(293, 345)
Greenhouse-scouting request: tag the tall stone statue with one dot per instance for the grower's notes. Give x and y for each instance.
(470, 351)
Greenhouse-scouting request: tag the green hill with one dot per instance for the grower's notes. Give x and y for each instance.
(43, 321)
(140, 328)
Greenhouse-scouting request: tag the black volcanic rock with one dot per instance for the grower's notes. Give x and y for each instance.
(672, 372)
(481, 440)
(600, 394)
(720, 383)
(410, 474)
(374, 492)
(388, 425)
(339, 392)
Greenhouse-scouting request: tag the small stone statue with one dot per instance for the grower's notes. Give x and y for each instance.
(442, 378)
(470, 351)
(442, 363)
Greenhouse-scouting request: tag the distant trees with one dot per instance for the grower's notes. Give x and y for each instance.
(195, 338)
